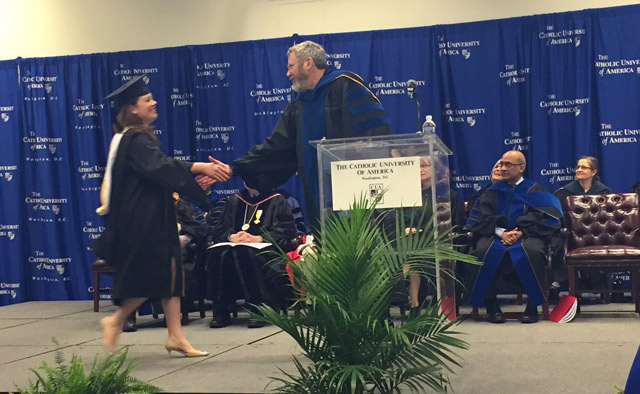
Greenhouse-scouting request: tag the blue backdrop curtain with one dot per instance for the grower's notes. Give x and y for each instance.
(554, 86)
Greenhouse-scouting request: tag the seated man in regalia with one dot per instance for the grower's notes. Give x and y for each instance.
(243, 271)
(511, 225)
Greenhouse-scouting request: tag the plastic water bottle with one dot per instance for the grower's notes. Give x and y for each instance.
(429, 126)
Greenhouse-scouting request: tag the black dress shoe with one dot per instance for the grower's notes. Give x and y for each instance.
(220, 320)
(130, 324)
(529, 318)
(253, 323)
(495, 318)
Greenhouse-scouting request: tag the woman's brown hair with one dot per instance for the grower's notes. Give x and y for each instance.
(126, 118)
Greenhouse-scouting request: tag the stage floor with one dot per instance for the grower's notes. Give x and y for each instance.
(587, 355)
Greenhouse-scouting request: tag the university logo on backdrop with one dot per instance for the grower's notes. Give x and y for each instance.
(470, 182)
(552, 36)
(380, 87)
(617, 67)
(338, 60)
(46, 209)
(270, 101)
(557, 175)
(516, 141)
(179, 154)
(181, 98)
(87, 115)
(610, 135)
(7, 173)
(125, 73)
(9, 231)
(9, 289)
(463, 49)
(467, 116)
(47, 268)
(91, 175)
(92, 231)
(212, 75)
(513, 75)
(6, 113)
(214, 138)
(42, 149)
(555, 106)
(40, 88)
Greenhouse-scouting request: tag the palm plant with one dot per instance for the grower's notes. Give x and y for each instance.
(108, 375)
(344, 330)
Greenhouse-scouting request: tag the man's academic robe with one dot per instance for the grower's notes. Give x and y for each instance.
(339, 106)
(141, 235)
(531, 209)
(242, 271)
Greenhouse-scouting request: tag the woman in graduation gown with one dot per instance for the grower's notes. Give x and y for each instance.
(587, 181)
(141, 236)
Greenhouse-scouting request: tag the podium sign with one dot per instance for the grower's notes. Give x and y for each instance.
(388, 162)
(398, 177)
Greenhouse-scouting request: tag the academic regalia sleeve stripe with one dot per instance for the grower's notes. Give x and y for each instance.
(366, 107)
(371, 123)
(357, 93)
(475, 212)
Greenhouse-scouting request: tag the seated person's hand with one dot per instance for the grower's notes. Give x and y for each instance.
(511, 237)
(410, 230)
(243, 236)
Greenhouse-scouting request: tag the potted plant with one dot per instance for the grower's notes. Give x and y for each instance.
(343, 329)
(108, 375)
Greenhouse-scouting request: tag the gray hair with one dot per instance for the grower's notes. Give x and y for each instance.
(310, 49)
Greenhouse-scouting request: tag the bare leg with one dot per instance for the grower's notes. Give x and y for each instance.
(176, 339)
(414, 289)
(111, 325)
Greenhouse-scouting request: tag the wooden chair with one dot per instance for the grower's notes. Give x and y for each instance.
(100, 267)
(602, 234)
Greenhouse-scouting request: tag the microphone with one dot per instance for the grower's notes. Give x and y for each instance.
(411, 87)
(411, 91)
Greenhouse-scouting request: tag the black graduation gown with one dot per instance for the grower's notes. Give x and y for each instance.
(340, 106)
(538, 224)
(243, 272)
(141, 236)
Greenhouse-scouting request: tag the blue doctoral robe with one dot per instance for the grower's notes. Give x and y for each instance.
(531, 209)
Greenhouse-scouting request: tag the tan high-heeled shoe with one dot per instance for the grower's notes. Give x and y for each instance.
(194, 353)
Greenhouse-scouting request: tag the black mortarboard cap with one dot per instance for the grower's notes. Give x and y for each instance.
(127, 94)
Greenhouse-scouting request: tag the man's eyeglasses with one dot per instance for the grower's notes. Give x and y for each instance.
(583, 168)
(508, 164)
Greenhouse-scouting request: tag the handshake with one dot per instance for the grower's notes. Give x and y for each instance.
(211, 172)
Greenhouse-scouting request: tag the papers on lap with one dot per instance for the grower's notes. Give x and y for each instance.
(255, 245)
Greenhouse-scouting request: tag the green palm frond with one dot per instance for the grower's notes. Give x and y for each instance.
(347, 285)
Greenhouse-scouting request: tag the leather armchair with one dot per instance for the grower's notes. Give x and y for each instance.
(602, 233)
